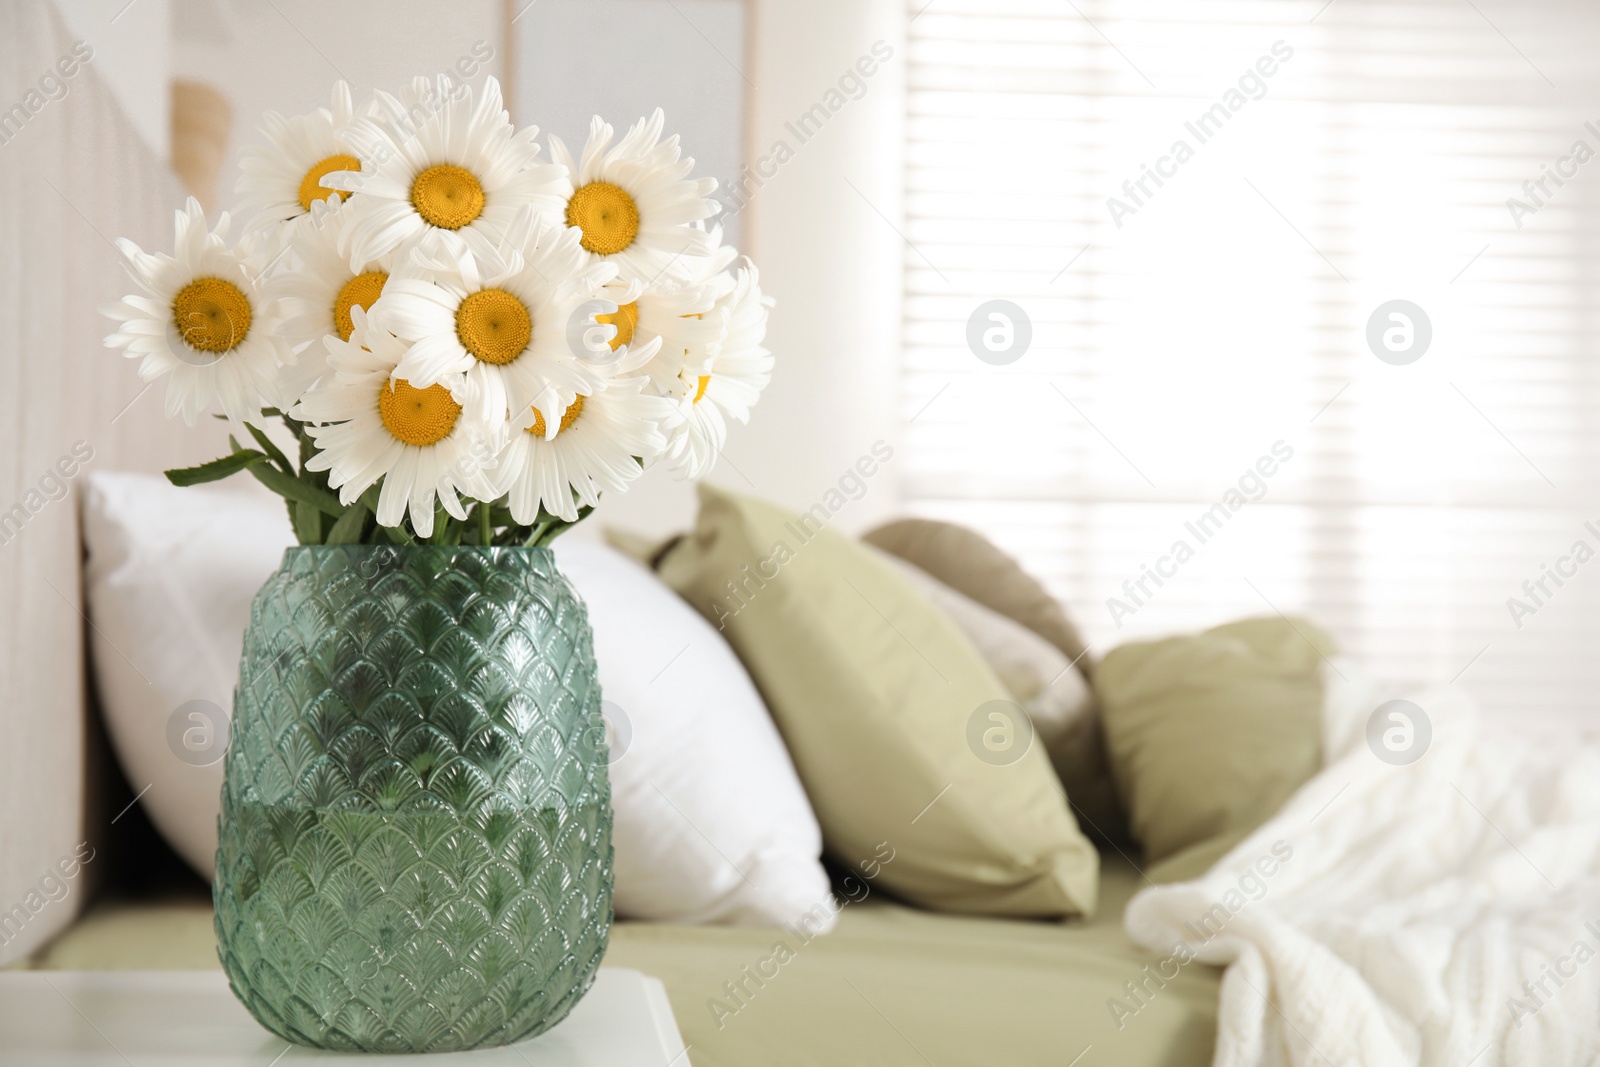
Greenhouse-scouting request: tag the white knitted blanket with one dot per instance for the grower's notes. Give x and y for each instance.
(1445, 912)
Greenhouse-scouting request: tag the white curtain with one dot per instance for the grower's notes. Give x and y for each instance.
(1198, 207)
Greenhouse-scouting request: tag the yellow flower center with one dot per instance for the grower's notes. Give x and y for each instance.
(568, 417)
(417, 416)
(311, 189)
(494, 326)
(607, 216)
(700, 389)
(625, 320)
(211, 314)
(447, 196)
(359, 292)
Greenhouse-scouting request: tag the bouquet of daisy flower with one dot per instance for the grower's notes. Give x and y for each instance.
(467, 343)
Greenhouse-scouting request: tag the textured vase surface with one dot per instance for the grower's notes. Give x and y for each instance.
(414, 852)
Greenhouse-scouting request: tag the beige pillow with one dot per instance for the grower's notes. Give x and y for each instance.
(1036, 673)
(1040, 677)
(969, 563)
(876, 693)
(1210, 734)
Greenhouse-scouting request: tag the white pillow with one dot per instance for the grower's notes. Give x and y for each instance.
(711, 822)
(169, 578)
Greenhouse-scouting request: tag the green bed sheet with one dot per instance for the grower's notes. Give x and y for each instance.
(890, 986)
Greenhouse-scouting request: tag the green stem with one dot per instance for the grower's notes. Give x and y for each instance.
(272, 450)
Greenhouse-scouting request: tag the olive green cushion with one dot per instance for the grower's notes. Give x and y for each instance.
(1210, 734)
(874, 689)
(971, 564)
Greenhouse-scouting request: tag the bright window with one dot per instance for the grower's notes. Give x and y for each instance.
(1280, 170)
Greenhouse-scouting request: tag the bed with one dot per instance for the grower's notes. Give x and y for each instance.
(891, 985)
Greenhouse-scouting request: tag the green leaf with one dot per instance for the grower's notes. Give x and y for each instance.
(273, 451)
(307, 523)
(295, 489)
(347, 531)
(217, 469)
(559, 527)
(295, 426)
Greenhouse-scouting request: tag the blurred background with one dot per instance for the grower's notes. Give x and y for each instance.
(1198, 218)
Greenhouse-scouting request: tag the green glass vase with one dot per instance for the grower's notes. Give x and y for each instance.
(414, 852)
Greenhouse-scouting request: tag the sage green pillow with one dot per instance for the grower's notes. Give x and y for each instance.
(876, 693)
(1210, 734)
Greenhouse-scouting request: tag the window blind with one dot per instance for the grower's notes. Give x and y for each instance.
(1200, 215)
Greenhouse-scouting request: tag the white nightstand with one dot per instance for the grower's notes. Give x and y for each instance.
(190, 1018)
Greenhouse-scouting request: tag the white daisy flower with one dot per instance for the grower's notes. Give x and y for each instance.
(280, 181)
(463, 171)
(634, 204)
(501, 319)
(403, 112)
(728, 386)
(318, 294)
(682, 316)
(369, 424)
(204, 321)
(600, 443)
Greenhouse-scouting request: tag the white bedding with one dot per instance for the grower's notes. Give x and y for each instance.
(1443, 912)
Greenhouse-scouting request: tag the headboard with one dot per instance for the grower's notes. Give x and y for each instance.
(74, 175)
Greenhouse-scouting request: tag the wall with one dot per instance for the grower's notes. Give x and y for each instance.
(285, 55)
(132, 49)
(679, 57)
(822, 229)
